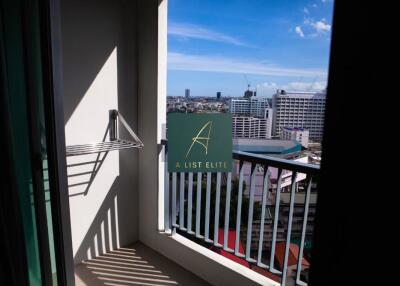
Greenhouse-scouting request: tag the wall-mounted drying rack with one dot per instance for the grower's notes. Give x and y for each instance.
(114, 144)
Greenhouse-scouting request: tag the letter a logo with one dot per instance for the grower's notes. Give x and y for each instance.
(202, 138)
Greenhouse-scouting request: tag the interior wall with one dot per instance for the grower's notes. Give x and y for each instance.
(99, 74)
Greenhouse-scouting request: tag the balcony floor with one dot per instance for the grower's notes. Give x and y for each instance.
(135, 265)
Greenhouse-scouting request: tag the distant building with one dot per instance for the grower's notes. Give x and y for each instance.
(300, 110)
(218, 95)
(267, 147)
(249, 93)
(299, 134)
(269, 99)
(275, 148)
(251, 127)
(187, 93)
(249, 107)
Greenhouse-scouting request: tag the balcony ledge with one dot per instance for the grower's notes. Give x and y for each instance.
(210, 266)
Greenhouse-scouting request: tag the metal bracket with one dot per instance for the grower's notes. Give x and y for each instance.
(114, 144)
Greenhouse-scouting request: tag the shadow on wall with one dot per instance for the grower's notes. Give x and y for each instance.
(81, 173)
(99, 74)
(93, 166)
(103, 234)
(116, 218)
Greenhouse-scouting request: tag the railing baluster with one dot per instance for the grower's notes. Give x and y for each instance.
(190, 202)
(303, 232)
(262, 220)
(182, 202)
(239, 210)
(198, 204)
(227, 208)
(276, 217)
(283, 165)
(174, 200)
(289, 228)
(251, 207)
(167, 213)
(208, 197)
(216, 217)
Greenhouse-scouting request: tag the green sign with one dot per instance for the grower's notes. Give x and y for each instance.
(199, 142)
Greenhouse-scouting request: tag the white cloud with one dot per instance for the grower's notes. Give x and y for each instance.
(270, 87)
(267, 87)
(306, 11)
(299, 31)
(321, 26)
(179, 61)
(306, 86)
(198, 32)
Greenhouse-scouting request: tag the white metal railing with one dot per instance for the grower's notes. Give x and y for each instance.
(179, 207)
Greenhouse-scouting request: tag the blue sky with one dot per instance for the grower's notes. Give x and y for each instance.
(219, 45)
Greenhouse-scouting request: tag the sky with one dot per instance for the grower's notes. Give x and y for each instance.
(224, 45)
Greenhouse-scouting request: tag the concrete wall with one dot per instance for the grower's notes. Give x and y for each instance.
(152, 53)
(100, 73)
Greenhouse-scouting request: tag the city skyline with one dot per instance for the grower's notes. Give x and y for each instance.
(222, 46)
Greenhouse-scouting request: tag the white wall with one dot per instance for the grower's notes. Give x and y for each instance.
(103, 70)
(99, 56)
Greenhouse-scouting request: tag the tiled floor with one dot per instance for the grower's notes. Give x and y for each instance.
(136, 265)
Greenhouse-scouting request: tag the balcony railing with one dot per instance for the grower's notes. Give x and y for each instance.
(189, 216)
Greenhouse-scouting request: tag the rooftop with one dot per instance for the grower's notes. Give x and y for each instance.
(266, 146)
(293, 255)
(294, 129)
(306, 94)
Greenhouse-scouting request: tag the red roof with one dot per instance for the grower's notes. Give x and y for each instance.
(231, 245)
(293, 255)
(279, 254)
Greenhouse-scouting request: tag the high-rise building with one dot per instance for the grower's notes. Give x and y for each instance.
(251, 127)
(249, 93)
(299, 110)
(251, 118)
(187, 93)
(248, 107)
(218, 95)
(299, 134)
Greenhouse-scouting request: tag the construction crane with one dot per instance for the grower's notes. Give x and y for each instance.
(247, 81)
(248, 93)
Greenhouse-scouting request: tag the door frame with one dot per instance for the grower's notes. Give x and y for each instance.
(50, 27)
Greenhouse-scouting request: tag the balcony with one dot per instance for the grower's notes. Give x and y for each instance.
(221, 212)
(249, 227)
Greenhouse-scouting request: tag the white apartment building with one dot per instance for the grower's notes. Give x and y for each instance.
(299, 134)
(299, 110)
(251, 127)
(248, 107)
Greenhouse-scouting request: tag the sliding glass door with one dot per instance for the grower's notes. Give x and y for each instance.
(27, 108)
